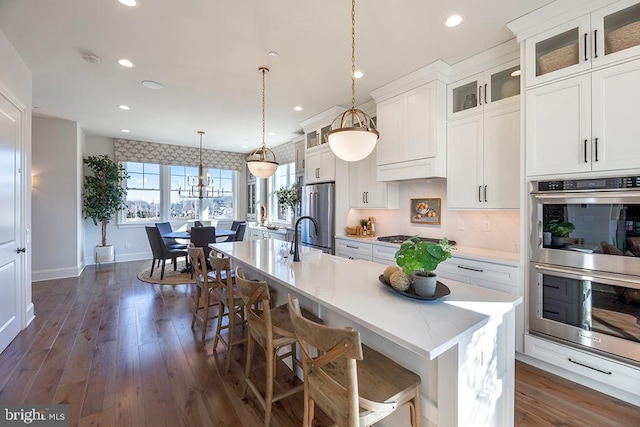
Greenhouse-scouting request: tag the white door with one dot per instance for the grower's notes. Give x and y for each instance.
(558, 130)
(464, 162)
(501, 165)
(10, 217)
(615, 94)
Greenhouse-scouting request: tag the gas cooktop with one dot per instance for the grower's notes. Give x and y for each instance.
(399, 238)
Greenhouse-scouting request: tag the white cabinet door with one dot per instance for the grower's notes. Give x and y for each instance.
(420, 123)
(558, 127)
(501, 158)
(389, 124)
(320, 165)
(614, 32)
(464, 165)
(365, 191)
(615, 96)
(300, 152)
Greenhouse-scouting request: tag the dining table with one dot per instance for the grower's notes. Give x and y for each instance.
(186, 235)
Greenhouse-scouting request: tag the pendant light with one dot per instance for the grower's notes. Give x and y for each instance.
(262, 162)
(353, 135)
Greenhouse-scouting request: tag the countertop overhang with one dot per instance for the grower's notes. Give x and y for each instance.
(351, 288)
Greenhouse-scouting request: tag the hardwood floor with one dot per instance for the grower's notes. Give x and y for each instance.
(121, 352)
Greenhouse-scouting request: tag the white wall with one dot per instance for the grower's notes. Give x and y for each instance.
(505, 225)
(56, 209)
(15, 84)
(119, 236)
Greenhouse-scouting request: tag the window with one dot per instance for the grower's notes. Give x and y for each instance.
(150, 186)
(143, 192)
(285, 176)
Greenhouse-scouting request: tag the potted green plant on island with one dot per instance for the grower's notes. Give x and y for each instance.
(419, 259)
(559, 230)
(103, 196)
(288, 198)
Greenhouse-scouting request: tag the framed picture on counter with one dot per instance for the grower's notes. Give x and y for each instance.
(425, 211)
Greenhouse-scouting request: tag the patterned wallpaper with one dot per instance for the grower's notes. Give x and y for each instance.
(166, 154)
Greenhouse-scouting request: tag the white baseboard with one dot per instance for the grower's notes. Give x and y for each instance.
(58, 273)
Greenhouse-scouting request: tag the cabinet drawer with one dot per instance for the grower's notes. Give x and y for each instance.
(488, 275)
(355, 249)
(385, 253)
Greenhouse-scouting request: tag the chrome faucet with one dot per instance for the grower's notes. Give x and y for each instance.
(296, 253)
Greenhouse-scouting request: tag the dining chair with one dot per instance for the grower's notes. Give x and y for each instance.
(239, 236)
(161, 252)
(205, 284)
(270, 328)
(165, 228)
(235, 225)
(230, 304)
(353, 384)
(202, 236)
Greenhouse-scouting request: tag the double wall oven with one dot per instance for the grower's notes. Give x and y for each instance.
(585, 287)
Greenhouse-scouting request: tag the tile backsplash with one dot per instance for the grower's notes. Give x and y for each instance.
(503, 226)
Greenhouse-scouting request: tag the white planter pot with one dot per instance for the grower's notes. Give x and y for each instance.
(425, 285)
(105, 254)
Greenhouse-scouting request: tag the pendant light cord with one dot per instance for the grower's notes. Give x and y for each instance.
(263, 111)
(353, 54)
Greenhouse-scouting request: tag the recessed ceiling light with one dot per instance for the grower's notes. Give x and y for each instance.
(297, 108)
(453, 20)
(273, 54)
(271, 134)
(125, 130)
(357, 74)
(124, 107)
(516, 73)
(130, 3)
(245, 146)
(150, 84)
(125, 63)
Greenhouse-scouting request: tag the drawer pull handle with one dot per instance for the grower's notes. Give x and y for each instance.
(590, 367)
(352, 247)
(479, 270)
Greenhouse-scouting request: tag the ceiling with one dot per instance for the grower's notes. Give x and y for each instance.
(206, 54)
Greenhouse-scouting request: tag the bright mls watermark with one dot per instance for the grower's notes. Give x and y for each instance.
(34, 415)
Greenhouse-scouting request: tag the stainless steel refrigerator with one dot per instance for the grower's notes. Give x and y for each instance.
(318, 201)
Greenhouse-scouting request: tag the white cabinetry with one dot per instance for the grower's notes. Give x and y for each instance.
(320, 165)
(483, 160)
(490, 89)
(412, 125)
(585, 123)
(350, 249)
(606, 35)
(365, 191)
(299, 147)
(499, 277)
(261, 233)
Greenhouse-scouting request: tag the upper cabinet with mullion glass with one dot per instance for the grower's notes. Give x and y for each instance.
(607, 35)
(492, 88)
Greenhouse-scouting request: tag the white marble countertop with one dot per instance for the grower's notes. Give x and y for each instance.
(352, 289)
(480, 254)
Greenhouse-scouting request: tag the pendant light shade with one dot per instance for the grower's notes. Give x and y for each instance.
(262, 162)
(353, 134)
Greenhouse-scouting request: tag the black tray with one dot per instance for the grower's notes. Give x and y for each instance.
(441, 291)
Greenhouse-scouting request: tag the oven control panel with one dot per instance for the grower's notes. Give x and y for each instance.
(627, 182)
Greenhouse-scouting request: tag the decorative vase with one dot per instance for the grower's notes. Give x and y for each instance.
(425, 285)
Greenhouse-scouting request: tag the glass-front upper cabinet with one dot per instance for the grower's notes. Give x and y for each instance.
(607, 35)
(485, 90)
(616, 32)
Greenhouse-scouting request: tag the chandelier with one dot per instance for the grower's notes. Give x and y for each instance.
(353, 134)
(262, 162)
(200, 187)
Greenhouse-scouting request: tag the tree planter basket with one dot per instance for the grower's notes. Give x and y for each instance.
(623, 38)
(558, 59)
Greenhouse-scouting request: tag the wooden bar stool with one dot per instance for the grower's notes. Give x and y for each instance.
(205, 283)
(270, 328)
(353, 384)
(230, 304)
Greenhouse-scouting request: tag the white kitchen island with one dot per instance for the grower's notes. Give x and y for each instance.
(463, 346)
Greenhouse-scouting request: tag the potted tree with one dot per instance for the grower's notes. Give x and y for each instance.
(419, 260)
(103, 196)
(288, 198)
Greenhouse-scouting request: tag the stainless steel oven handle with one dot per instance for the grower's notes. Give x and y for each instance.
(601, 276)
